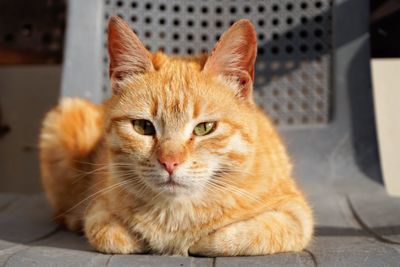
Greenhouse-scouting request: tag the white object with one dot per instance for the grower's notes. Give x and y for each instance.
(386, 88)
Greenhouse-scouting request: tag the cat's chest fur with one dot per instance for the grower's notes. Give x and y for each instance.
(170, 228)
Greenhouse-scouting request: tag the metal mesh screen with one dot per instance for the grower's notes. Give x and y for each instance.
(293, 65)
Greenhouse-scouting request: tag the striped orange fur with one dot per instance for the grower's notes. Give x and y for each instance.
(229, 192)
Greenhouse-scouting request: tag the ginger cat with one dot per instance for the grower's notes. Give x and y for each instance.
(179, 160)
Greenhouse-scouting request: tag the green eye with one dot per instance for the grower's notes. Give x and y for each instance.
(143, 127)
(204, 128)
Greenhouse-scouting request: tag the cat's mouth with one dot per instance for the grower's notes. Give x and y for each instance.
(171, 184)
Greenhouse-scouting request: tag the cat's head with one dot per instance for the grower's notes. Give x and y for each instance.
(179, 125)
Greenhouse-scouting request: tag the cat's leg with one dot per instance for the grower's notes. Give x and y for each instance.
(107, 234)
(289, 229)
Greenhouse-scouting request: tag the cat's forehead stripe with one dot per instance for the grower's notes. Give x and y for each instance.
(154, 107)
(196, 109)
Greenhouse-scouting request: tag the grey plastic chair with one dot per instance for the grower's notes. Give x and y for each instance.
(312, 77)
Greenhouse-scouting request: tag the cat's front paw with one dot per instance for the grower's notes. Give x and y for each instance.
(114, 239)
(227, 241)
(206, 246)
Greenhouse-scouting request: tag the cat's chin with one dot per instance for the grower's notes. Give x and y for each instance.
(172, 187)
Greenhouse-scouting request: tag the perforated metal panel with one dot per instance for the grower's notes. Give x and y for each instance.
(293, 67)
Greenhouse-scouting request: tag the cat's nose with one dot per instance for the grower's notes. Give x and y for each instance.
(170, 163)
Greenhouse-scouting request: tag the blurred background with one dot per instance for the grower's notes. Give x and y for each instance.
(31, 55)
(32, 45)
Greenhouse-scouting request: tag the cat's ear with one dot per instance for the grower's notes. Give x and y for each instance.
(128, 56)
(234, 56)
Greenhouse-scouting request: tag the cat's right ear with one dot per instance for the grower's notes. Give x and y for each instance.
(128, 56)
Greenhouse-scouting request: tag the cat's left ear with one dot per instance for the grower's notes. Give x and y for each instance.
(234, 56)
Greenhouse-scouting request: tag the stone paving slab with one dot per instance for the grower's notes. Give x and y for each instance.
(159, 261)
(25, 219)
(283, 259)
(353, 251)
(49, 256)
(379, 214)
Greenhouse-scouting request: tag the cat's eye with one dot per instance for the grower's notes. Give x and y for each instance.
(143, 127)
(204, 128)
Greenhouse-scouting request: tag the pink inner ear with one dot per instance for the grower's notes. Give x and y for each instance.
(235, 52)
(128, 56)
(245, 84)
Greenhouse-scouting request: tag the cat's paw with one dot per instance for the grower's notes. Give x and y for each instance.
(206, 246)
(114, 239)
(223, 242)
(70, 221)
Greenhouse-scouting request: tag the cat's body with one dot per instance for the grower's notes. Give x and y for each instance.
(171, 190)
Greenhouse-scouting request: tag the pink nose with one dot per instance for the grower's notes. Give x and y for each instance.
(169, 163)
